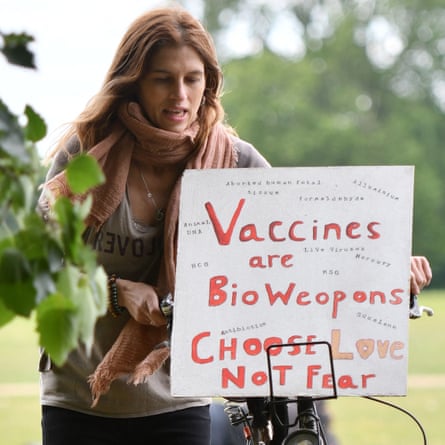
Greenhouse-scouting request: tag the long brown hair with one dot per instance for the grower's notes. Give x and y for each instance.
(148, 33)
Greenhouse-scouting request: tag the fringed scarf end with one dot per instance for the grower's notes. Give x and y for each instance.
(150, 365)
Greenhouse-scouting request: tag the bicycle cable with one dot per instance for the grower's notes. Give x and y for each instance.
(404, 411)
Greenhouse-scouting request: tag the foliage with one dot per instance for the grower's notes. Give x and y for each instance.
(44, 265)
(16, 51)
(336, 107)
(402, 39)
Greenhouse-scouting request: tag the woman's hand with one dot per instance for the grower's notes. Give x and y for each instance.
(141, 301)
(421, 274)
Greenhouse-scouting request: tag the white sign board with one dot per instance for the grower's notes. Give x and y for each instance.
(283, 256)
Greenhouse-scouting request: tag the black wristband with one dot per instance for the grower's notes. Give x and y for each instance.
(113, 305)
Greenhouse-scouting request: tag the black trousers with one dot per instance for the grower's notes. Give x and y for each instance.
(185, 427)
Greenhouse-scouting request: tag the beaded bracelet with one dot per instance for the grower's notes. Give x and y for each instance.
(113, 305)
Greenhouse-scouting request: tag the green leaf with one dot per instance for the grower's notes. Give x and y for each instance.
(43, 284)
(26, 188)
(19, 297)
(14, 267)
(89, 301)
(92, 303)
(83, 173)
(15, 49)
(82, 209)
(63, 210)
(16, 197)
(36, 128)
(37, 241)
(99, 285)
(87, 314)
(16, 282)
(11, 136)
(71, 226)
(5, 314)
(9, 225)
(55, 326)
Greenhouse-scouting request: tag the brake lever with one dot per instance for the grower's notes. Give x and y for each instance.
(166, 307)
(416, 311)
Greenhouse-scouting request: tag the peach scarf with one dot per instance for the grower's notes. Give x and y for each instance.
(135, 352)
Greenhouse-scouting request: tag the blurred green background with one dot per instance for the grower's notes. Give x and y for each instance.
(344, 82)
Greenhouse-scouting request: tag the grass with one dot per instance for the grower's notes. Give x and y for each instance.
(19, 390)
(364, 422)
(19, 420)
(355, 421)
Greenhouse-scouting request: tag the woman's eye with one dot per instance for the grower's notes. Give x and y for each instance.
(193, 80)
(188, 80)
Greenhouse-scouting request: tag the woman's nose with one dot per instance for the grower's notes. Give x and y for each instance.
(178, 91)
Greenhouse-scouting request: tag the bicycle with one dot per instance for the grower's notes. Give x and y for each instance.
(266, 421)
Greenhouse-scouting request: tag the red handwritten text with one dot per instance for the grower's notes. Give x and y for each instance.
(297, 230)
(221, 292)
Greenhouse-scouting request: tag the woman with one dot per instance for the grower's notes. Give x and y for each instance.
(157, 113)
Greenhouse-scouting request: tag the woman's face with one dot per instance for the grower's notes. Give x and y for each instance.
(171, 90)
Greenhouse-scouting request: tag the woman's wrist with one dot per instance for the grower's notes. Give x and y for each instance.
(113, 302)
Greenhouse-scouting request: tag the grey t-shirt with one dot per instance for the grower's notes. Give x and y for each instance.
(132, 251)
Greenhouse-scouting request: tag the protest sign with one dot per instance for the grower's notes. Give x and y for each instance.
(287, 256)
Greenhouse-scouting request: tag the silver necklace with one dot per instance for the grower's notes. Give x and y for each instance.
(160, 213)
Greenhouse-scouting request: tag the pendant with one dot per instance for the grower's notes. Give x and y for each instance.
(160, 214)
